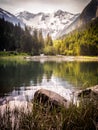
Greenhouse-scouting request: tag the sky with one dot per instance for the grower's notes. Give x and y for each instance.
(35, 6)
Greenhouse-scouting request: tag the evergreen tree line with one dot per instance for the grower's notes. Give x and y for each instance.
(14, 38)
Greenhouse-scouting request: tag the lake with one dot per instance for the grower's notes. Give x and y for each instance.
(19, 80)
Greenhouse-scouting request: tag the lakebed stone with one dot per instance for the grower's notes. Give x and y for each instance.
(50, 98)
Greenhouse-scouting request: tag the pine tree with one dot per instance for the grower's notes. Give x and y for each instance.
(40, 38)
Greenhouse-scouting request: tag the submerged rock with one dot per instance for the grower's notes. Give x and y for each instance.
(50, 98)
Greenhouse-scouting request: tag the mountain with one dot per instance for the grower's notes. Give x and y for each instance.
(50, 23)
(10, 18)
(89, 13)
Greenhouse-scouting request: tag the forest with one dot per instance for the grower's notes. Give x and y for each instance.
(15, 39)
(82, 41)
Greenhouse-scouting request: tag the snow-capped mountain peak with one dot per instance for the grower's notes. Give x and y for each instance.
(50, 23)
(10, 18)
(26, 15)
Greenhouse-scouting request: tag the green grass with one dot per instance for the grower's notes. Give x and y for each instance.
(12, 55)
(42, 117)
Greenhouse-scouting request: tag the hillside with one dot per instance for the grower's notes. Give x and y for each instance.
(90, 12)
(7, 16)
(81, 42)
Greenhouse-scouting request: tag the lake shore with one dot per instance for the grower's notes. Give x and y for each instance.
(32, 115)
(50, 58)
(61, 58)
(37, 115)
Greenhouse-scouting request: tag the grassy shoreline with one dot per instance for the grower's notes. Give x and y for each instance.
(18, 57)
(41, 117)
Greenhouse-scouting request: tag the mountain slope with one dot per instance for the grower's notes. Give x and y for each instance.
(50, 23)
(89, 12)
(83, 42)
(10, 18)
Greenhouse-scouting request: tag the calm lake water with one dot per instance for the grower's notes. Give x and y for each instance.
(20, 80)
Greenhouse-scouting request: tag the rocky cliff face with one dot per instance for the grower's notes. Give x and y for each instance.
(89, 13)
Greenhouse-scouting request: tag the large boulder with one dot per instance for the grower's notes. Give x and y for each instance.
(50, 98)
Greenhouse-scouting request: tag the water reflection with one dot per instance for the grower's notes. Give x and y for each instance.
(20, 80)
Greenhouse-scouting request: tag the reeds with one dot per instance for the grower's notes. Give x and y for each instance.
(43, 117)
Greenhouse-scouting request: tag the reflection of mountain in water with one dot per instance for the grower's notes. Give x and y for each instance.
(25, 78)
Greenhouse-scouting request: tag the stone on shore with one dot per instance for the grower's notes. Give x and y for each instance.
(89, 92)
(50, 98)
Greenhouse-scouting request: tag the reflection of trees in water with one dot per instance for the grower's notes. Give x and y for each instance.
(14, 75)
(48, 69)
(81, 74)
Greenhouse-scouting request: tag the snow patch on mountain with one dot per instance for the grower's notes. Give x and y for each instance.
(51, 23)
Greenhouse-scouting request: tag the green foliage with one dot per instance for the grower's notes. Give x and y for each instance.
(59, 47)
(48, 46)
(7, 53)
(80, 42)
(49, 50)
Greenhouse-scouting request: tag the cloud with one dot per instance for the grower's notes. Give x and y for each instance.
(73, 6)
(44, 1)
